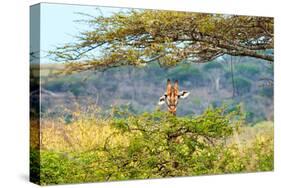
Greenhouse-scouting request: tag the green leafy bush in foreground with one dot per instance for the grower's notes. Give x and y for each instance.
(161, 145)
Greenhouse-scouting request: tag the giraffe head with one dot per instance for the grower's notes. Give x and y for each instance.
(172, 96)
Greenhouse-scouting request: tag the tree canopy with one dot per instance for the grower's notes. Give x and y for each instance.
(150, 145)
(139, 37)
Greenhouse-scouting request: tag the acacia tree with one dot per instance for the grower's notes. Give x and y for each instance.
(139, 37)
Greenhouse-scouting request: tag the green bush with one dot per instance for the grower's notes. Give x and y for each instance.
(242, 85)
(266, 91)
(212, 65)
(158, 145)
(186, 72)
(247, 70)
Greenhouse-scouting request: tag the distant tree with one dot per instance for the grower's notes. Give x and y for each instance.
(186, 72)
(267, 92)
(248, 70)
(214, 70)
(243, 85)
(139, 37)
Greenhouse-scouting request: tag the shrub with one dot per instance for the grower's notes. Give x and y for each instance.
(242, 85)
(150, 145)
(247, 70)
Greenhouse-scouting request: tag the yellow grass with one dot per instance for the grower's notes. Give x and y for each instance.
(81, 135)
(87, 134)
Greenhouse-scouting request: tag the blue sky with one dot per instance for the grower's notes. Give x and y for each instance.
(58, 24)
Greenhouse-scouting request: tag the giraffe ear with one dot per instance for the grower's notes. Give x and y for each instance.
(162, 100)
(176, 87)
(169, 87)
(183, 94)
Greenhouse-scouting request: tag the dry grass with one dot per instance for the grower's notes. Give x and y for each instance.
(81, 135)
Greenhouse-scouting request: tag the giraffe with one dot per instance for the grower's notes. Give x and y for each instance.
(172, 96)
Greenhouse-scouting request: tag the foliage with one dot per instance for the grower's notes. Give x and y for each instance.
(266, 91)
(141, 87)
(150, 145)
(34, 157)
(212, 65)
(247, 70)
(139, 37)
(243, 84)
(186, 72)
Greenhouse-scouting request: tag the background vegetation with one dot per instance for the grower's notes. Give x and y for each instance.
(229, 80)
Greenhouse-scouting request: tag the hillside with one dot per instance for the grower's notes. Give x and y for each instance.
(139, 89)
